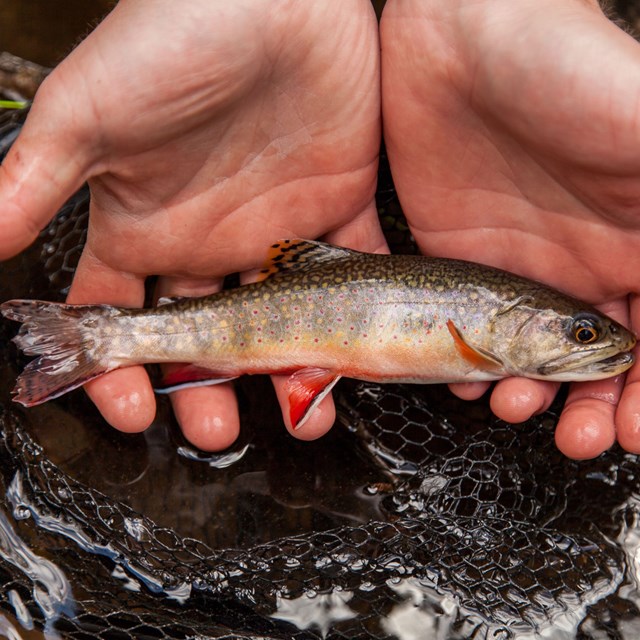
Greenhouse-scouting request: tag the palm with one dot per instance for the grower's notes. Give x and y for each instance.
(532, 168)
(207, 134)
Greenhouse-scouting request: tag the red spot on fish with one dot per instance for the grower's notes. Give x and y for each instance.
(364, 335)
(255, 312)
(345, 342)
(259, 339)
(315, 339)
(296, 337)
(242, 344)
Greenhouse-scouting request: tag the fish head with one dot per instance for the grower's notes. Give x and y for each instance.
(569, 341)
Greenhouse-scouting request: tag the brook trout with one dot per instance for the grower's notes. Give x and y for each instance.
(321, 312)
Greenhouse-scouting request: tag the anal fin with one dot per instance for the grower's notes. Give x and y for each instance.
(306, 389)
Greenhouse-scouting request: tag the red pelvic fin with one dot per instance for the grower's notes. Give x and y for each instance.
(185, 376)
(306, 389)
(475, 356)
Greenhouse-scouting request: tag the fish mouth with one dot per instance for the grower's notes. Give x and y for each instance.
(587, 365)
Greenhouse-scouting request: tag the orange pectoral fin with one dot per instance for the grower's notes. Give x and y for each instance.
(479, 358)
(306, 388)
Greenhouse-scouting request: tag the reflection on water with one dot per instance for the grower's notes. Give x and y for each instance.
(51, 590)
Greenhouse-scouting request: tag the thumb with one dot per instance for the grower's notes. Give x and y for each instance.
(47, 163)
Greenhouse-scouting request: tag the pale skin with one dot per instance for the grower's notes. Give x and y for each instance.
(208, 134)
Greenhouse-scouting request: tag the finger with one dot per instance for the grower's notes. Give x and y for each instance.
(586, 426)
(47, 163)
(169, 287)
(208, 416)
(319, 421)
(628, 413)
(469, 390)
(362, 233)
(515, 400)
(124, 397)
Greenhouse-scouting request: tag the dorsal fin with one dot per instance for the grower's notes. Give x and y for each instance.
(297, 254)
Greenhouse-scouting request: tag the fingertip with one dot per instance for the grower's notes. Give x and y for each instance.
(585, 430)
(317, 424)
(628, 421)
(124, 398)
(469, 390)
(208, 416)
(515, 400)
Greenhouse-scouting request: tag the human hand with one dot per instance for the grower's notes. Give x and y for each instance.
(207, 130)
(512, 133)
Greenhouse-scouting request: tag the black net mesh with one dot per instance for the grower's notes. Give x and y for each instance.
(419, 516)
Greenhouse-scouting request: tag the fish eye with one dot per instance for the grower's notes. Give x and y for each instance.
(585, 330)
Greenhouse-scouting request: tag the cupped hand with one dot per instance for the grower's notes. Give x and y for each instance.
(207, 130)
(513, 134)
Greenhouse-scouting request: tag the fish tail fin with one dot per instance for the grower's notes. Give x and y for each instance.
(64, 343)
